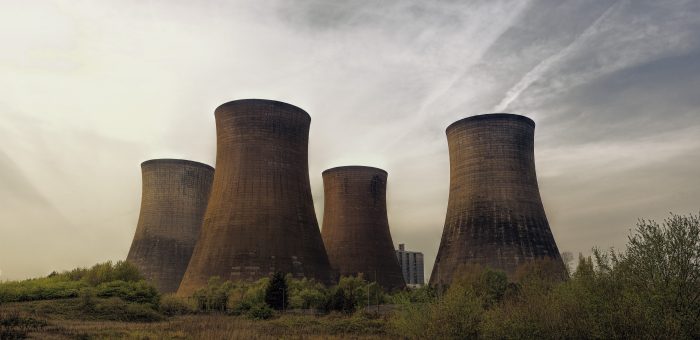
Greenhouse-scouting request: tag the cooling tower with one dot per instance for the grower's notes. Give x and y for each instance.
(355, 225)
(174, 198)
(260, 218)
(495, 216)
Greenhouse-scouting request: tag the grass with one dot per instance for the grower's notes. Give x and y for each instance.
(65, 319)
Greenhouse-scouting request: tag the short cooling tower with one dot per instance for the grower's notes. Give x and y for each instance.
(260, 218)
(495, 216)
(174, 198)
(355, 225)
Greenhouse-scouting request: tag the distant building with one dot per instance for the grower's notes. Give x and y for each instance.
(412, 266)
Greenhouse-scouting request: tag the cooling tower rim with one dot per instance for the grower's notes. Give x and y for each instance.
(176, 161)
(352, 167)
(236, 102)
(491, 116)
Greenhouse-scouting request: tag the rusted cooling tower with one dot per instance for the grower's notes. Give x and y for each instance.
(495, 215)
(260, 218)
(355, 225)
(174, 198)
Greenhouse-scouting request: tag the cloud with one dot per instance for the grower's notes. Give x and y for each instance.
(91, 89)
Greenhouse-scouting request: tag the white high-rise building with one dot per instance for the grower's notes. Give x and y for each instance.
(412, 266)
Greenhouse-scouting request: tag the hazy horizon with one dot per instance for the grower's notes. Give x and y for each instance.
(91, 89)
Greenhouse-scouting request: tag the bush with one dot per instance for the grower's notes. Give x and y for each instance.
(225, 296)
(214, 296)
(172, 305)
(116, 309)
(260, 311)
(139, 292)
(353, 292)
(651, 290)
(306, 293)
(69, 284)
(456, 315)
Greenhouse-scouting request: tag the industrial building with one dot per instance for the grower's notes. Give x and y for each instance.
(355, 225)
(260, 218)
(173, 200)
(411, 266)
(495, 216)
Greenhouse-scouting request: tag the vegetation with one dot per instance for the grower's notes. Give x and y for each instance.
(15, 326)
(106, 279)
(276, 295)
(650, 290)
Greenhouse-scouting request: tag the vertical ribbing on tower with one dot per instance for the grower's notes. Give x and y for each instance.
(495, 215)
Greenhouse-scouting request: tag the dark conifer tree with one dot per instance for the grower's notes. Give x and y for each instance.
(276, 292)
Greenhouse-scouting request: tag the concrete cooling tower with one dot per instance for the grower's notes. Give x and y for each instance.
(174, 198)
(355, 225)
(260, 218)
(495, 215)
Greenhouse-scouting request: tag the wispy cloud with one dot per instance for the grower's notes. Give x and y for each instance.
(91, 89)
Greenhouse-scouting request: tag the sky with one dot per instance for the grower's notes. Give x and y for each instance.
(90, 89)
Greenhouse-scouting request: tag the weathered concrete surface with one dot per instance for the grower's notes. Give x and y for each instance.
(260, 218)
(174, 198)
(495, 215)
(355, 225)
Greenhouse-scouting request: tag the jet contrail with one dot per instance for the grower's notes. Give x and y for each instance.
(537, 72)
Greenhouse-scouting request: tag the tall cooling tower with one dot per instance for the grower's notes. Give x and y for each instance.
(174, 198)
(355, 225)
(260, 218)
(495, 215)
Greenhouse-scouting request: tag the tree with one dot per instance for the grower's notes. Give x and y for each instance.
(661, 267)
(276, 295)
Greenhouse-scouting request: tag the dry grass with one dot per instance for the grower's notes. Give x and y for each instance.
(207, 327)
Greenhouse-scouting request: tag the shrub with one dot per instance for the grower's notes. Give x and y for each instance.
(457, 315)
(352, 292)
(214, 296)
(306, 293)
(139, 292)
(260, 311)
(224, 296)
(172, 305)
(69, 284)
(116, 309)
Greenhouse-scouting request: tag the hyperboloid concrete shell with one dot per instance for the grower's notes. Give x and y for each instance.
(260, 218)
(495, 215)
(174, 198)
(355, 225)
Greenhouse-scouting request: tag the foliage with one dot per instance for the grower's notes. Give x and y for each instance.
(68, 284)
(227, 296)
(306, 293)
(214, 296)
(424, 294)
(276, 295)
(172, 305)
(260, 311)
(138, 292)
(239, 297)
(458, 313)
(353, 292)
(650, 290)
(116, 309)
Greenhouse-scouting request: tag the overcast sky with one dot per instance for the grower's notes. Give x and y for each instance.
(90, 89)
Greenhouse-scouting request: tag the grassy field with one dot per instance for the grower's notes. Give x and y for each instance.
(63, 319)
